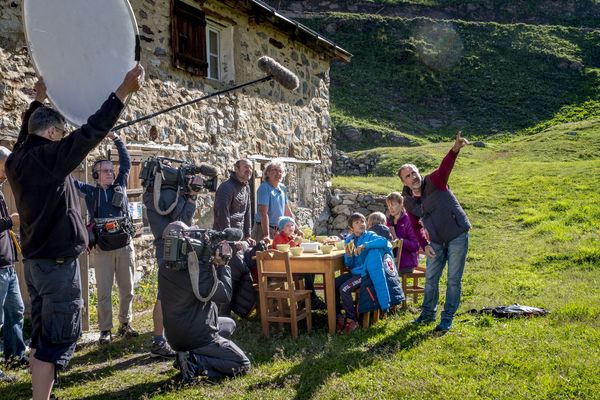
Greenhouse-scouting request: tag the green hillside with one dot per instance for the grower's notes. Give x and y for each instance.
(430, 77)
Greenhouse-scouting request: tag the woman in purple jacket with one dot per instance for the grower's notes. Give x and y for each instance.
(401, 228)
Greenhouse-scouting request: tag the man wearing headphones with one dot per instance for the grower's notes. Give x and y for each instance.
(114, 256)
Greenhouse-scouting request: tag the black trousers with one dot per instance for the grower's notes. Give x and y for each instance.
(221, 357)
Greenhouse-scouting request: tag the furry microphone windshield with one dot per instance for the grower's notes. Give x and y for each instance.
(284, 76)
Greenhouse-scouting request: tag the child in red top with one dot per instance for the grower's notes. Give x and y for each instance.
(286, 235)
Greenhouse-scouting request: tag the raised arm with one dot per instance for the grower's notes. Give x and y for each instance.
(60, 158)
(40, 97)
(440, 176)
(124, 159)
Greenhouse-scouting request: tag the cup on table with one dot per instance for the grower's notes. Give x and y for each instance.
(283, 247)
(296, 251)
(327, 248)
(340, 245)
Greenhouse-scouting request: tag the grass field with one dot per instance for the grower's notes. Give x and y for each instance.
(535, 207)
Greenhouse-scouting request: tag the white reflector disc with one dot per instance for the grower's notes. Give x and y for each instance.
(82, 49)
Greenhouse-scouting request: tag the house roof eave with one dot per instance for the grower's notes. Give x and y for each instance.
(304, 33)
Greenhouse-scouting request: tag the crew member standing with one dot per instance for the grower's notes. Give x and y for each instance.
(53, 234)
(11, 303)
(113, 258)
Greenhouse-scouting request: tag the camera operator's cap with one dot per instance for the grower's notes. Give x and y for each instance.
(283, 221)
(174, 227)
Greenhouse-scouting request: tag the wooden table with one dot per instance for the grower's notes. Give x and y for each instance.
(323, 264)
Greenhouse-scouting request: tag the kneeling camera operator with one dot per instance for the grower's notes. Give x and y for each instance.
(194, 278)
(186, 303)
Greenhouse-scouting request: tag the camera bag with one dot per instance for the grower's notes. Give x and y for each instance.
(108, 240)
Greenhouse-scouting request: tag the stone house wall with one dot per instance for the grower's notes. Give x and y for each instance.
(260, 120)
(354, 166)
(342, 205)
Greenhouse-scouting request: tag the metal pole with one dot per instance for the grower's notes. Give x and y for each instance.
(175, 107)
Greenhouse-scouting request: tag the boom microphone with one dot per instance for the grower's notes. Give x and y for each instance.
(233, 234)
(276, 71)
(207, 170)
(284, 76)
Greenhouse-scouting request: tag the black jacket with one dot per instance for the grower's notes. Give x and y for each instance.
(39, 174)
(440, 212)
(190, 323)
(7, 249)
(232, 206)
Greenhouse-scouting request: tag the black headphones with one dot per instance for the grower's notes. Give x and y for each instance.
(95, 173)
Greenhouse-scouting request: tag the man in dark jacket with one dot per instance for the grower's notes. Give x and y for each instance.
(431, 205)
(232, 201)
(53, 234)
(11, 303)
(232, 210)
(192, 325)
(183, 211)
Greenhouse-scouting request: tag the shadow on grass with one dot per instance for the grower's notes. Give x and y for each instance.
(142, 390)
(345, 355)
(15, 391)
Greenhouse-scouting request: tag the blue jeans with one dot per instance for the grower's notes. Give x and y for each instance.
(11, 313)
(455, 253)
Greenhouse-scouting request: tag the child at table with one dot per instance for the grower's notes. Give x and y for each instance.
(401, 228)
(376, 223)
(286, 235)
(364, 249)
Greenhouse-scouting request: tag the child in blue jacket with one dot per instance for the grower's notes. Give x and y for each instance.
(364, 250)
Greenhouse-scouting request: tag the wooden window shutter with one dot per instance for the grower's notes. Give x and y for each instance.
(188, 37)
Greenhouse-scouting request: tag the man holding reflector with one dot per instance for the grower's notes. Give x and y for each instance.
(52, 230)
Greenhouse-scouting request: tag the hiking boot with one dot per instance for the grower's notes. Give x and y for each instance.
(351, 325)
(317, 304)
(162, 349)
(17, 362)
(6, 378)
(127, 331)
(341, 323)
(105, 337)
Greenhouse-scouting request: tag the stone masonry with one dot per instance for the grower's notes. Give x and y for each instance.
(260, 120)
(342, 205)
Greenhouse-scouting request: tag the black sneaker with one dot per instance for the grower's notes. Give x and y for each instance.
(162, 349)
(127, 331)
(105, 337)
(317, 304)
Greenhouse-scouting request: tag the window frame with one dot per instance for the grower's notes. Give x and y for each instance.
(213, 27)
(189, 54)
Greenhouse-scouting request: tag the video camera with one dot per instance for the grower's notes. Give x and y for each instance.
(206, 243)
(185, 177)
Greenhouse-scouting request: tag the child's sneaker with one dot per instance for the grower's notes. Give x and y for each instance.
(341, 323)
(351, 325)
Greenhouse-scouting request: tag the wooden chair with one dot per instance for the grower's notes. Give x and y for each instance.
(415, 288)
(370, 318)
(269, 264)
